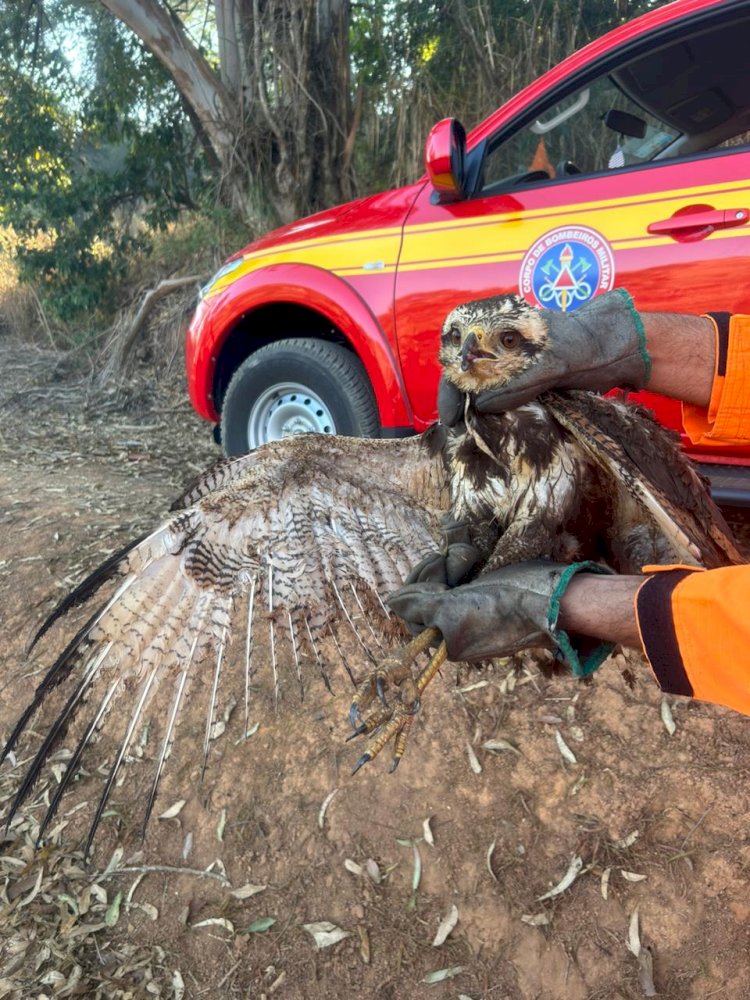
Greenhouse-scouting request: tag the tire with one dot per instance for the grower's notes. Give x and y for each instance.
(297, 386)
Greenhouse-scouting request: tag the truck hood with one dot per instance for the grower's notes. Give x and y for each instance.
(380, 211)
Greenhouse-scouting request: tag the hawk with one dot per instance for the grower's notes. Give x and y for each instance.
(276, 565)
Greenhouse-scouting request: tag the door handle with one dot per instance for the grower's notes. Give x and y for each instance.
(699, 221)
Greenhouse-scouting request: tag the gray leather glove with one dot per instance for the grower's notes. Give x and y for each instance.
(453, 563)
(600, 346)
(501, 613)
(450, 403)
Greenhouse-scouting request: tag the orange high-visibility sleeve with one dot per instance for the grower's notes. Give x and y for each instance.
(726, 420)
(695, 631)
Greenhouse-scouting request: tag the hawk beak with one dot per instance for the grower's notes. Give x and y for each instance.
(472, 350)
(468, 351)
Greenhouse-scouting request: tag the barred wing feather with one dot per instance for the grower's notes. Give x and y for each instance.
(289, 551)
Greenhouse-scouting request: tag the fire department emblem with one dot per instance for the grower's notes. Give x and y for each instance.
(566, 267)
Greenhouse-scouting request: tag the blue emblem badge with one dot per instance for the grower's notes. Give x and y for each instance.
(567, 267)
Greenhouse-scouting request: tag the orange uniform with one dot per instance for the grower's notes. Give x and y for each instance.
(695, 625)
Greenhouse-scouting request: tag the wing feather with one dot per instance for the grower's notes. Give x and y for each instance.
(294, 545)
(626, 441)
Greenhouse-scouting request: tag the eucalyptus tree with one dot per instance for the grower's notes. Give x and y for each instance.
(271, 102)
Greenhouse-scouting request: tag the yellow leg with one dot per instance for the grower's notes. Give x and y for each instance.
(396, 723)
(393, 670)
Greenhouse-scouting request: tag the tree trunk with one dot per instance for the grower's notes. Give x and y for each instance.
(208, 99)
(278, 115)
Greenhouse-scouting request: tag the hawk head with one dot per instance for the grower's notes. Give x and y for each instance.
(487, 342)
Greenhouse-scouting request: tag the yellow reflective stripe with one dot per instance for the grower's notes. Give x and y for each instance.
(616, 223)
(331, 255)
(627, 201)
(474, 240)
(620, 246)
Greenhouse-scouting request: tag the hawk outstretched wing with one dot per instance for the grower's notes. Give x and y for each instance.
(288, 550)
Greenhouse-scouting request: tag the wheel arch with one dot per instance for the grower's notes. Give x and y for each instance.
(267, 324)
(269, 304)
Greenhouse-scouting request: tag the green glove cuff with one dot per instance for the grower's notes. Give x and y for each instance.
(582, 663)
(639, 328)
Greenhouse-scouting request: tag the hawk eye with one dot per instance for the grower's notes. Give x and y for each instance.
(455, 335)
(510, 339)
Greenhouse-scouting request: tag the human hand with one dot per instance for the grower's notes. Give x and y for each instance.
(453, 563)
(499, 613)
(598, 347)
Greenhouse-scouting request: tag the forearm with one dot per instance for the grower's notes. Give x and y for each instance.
(683, 356)
(602, 607)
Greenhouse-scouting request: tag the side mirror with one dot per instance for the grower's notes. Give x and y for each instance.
(444, 159)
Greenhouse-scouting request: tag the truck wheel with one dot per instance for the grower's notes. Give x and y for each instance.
(297, 386)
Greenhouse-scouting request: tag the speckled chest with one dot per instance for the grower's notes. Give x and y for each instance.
(501, 464)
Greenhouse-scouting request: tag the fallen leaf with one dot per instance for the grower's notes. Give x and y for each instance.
(415, 878)
(173, 810)
(627, 841)
(490, 852)
(632, 876)
(364, 944)
(113, 911)
(634, 938)
(259, 926)
(646, 972)
(536, 919)
(473, 687)
(446, 926)
(324, 933)
(151, 912)
(326, 802)
(221, 825)
(216, 922)
(178, 985)
(473, 760)
(498, 746)
(667, 718)
(373, 870)
(565, 751)
(247, 890)
(442, 974)
(574, 870)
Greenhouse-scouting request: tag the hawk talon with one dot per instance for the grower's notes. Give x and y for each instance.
(380, 688)
(373, 686)
(360, 730)
(395, 722)
(355, 719)
(364, 759)
(371, 723)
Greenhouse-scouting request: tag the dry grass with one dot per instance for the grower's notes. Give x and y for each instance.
(19, 311)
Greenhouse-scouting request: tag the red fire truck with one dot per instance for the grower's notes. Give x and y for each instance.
(627, 165)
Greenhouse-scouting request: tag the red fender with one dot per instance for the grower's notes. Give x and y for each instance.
(311, 287)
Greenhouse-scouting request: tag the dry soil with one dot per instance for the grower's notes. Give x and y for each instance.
(658, 818)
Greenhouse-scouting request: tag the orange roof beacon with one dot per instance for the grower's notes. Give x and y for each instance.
(331, 324)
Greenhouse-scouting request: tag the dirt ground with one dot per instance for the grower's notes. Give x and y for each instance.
(215, 901)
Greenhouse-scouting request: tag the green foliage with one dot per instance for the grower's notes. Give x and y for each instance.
(98, 152)
(99, 155)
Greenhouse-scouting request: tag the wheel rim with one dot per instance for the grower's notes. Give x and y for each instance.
(285, 410)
